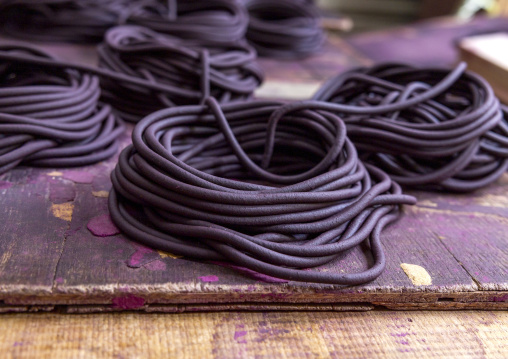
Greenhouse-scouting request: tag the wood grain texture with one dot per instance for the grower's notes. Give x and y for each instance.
(375, 334)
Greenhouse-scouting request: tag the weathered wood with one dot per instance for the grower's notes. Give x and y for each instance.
(371, 334)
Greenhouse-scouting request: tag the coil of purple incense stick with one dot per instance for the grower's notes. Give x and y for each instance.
(428, 128)
(51, 117)
(233, 183)
(85, 21)
(227, 71)
(284, 28)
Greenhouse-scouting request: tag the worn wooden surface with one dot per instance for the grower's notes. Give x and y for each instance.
(378, 334)
(49, 258)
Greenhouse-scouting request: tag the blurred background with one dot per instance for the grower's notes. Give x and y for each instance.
(367, 15)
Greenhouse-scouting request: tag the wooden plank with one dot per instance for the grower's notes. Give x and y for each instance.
(119, 274)
(373, 334)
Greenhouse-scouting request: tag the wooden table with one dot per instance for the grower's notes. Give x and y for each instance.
(50, 261)
(229, 335)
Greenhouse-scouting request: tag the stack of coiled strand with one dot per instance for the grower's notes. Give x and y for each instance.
(428, 128)
(217, 21)
(237, 182)
(87, 20)
(51, 116)
(193, 71)
(284, 28)
(76, 21)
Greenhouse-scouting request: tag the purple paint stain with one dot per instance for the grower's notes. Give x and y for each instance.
(209, 278)
(102, 226)
(138, 258)
(61, 194)
(79, 176)
(157, 265)
(240, 334)
(249, 272)
(403, 342)
(73, 231)
(59, 280)
(17, 344)
(5, 185)
(128, 302)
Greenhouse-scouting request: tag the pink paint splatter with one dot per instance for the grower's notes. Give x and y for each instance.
(5, 185)
(142, 256)
(79, 176)
(128, 302)
(59, 280)
(209, 278)
(102, 226)
(156, 265)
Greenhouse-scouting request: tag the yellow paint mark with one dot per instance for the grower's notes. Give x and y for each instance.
(55, 174)
(102, 194)
(168, 255)
(63, 211)
(492, 200)
(441, 237)
(417, 274)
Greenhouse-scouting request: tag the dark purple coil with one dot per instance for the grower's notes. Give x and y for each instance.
(190, 71)
(284, 28)
(428, 128)
(86, 21)
(51, 117)
(234, 183)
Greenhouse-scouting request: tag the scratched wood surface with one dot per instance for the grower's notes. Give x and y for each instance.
(375, 334)
(49, 258)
